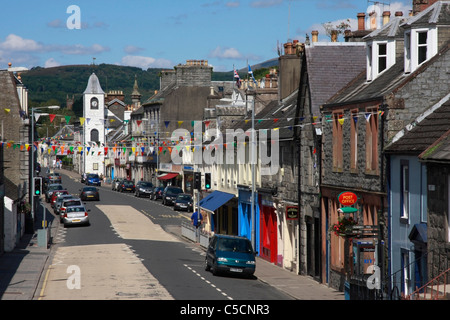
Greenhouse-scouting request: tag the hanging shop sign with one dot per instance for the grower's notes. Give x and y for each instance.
(347, 198)
(291, 213)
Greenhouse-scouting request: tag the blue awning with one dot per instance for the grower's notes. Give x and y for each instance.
(215, 200)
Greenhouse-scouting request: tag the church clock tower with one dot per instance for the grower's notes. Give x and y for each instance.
(94, 127)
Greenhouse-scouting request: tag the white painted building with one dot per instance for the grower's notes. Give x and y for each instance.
(94, 113)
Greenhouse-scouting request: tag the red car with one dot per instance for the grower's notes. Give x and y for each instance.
(55, 196)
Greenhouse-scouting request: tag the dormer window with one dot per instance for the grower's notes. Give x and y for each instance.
(380, 57)
(420, 46)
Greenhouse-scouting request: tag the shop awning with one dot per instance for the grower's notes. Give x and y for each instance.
(167, 176)
(215, 200)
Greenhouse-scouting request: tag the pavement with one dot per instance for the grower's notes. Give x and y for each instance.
(21, 271)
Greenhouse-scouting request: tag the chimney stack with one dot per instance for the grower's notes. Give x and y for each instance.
(361, 21)
(420, 5)
(315, 35)
(334, 35)
(386, 17)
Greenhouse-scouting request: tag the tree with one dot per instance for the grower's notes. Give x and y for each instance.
(339, 28)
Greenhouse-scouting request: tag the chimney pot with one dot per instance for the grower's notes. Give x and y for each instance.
(386, 16)
(398, 14)
(334, 35)
(361, 21)
(315, 35)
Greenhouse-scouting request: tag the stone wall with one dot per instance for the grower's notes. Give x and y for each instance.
(438, 218)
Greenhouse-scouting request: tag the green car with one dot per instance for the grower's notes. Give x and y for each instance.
(230, 254)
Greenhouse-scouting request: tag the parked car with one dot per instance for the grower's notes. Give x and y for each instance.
(126, 185)
(184, 201)
(52, 188)
(75, 215)
(115, 183)
(143, 188)
(93, 179)
(170, 194)
(55, 195)
(89, 193)
(54, 177)
(157, 193)
(68, 203)
(60, 200)
(231, 254)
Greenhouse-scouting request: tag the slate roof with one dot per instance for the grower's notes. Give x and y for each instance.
(438, 13)
(330, 67)
(424, 131)
(439, 151)
(276, 114)
(391, 29)
(93, 85)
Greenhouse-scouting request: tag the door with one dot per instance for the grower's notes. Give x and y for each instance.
(269, 234)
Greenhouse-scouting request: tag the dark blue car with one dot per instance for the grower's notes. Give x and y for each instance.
(231, 254)
(93, 179)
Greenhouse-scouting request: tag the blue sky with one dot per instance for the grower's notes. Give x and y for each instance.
(162, 34)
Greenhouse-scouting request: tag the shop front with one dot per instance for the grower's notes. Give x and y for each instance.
(269, 234)
(245, 216)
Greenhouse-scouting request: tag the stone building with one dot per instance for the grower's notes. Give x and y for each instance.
(15, 161)
(403, 78)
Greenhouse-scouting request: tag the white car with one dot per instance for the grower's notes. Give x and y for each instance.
(59, 202)
(75, 215)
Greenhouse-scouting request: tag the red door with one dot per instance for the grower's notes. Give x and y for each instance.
(269, 234)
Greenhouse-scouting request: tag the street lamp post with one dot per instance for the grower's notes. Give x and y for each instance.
(33, 191)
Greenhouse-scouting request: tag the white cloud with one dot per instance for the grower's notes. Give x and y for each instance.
(18, 44)
(145, 62)
(225, 53)
(51, 63)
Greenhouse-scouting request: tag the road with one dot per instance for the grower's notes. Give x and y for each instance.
(128, 252)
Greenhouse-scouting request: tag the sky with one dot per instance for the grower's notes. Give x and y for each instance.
(162, 34)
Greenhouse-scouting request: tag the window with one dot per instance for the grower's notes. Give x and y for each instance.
(372, 141)
(338, 118)
(382, 57)
(94, 135)
(404, 189)
(354, 141)
(421, 46)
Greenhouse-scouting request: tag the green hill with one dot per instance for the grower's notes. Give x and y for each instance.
(49, 86)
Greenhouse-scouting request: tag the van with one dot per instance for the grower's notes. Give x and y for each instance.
(230, 254)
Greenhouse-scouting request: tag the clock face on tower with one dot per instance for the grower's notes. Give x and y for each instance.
(94, 103)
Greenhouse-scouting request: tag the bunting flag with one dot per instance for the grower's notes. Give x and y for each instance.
(67, 118)
(82, 120)
(52, 117)
(180, 123)
(166, 123)
(250, 72)
(341, 121)
(138, 122)
(7, 110)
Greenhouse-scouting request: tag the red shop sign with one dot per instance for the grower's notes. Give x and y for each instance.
(347, 198)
